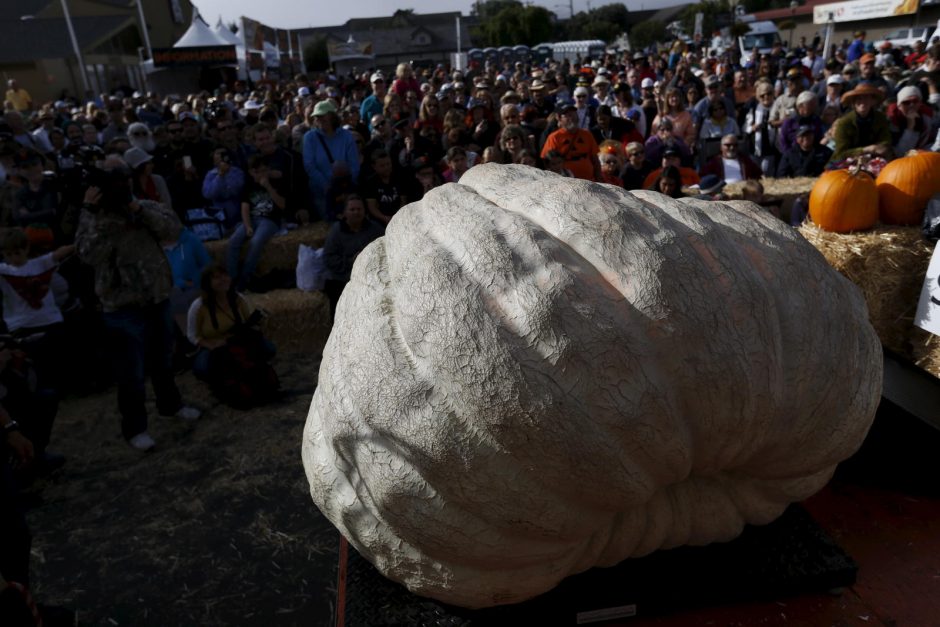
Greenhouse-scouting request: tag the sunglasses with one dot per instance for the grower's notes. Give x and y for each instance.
(380, 124)
(909, 103)
(638, 153)
(581, 97)
(734, 145)
(139, 134)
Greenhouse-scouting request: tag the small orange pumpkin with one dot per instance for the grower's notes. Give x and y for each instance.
(905, 185)
(843, 201)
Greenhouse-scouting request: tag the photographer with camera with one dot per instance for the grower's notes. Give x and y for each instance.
(120, 237)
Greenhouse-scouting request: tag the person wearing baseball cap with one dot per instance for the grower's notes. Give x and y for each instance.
(864, 130)
(574, 144)
(373, 104)
(868, 72)
(833, 96)
(807, 157)
(328, 148)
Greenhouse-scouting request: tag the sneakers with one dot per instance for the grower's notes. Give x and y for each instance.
(142, 442)
(188, 413)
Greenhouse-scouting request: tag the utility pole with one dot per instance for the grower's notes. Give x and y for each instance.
(75, 47)
(143, 28)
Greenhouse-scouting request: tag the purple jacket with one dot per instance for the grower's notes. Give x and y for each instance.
(787, 135)
(225, 192)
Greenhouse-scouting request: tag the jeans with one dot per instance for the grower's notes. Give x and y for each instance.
(201, 362)
(264, 229)
(141, 339)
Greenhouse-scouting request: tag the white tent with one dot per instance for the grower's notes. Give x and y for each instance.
(222, 32)
(199, 34)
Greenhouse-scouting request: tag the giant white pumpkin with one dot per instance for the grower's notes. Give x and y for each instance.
(531, 375)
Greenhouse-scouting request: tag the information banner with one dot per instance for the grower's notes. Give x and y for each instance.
(859, 10)
(196, 55)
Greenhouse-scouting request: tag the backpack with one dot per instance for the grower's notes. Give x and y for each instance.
(207, 224)
(239, 374)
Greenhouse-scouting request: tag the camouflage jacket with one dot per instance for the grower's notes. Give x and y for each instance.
(131, 269)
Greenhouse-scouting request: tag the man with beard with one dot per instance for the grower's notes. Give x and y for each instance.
(575, 144)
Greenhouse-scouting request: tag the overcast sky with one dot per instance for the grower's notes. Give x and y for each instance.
(294, 14)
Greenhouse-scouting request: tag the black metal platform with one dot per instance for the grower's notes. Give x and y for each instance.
(789, 557)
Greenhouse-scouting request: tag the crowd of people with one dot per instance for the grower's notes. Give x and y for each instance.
(102, 198)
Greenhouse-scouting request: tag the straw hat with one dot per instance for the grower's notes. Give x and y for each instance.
(863, 89)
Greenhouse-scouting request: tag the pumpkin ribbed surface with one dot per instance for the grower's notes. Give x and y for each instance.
(842, 201)
(906, 185)
(531, 375)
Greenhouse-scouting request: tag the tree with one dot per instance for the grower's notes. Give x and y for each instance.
(517, 24)
(316, 55)
(491, 8)
(606, 23)
(647, 33)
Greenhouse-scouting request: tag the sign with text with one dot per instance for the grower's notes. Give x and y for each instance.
(928, 309)
(858, 10)
(197, 55)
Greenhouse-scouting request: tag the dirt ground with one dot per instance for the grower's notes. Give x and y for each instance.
(213, 527)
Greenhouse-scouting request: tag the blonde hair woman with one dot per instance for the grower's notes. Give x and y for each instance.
(672, 108)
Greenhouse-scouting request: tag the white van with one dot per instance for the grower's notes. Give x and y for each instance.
(763, 36)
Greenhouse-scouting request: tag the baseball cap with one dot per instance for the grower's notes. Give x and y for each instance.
(303, 92)
(646, 83)
(581, 91)
(564, 105)
(187, 115)
(671, 152)
(377, 77)
(324, 107)
(712, 81)
(601, 80)
(803, 129)
(835, 79)
(867, 58)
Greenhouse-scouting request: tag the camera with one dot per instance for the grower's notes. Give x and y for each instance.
(115, 186)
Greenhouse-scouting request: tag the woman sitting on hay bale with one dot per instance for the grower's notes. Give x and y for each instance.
(233, 356)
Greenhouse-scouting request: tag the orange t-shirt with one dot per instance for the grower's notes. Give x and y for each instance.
(578, 148)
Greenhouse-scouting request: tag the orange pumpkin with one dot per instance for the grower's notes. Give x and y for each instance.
(843, 201)
(905, 185)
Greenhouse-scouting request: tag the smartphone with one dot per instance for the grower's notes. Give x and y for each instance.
(187, 162)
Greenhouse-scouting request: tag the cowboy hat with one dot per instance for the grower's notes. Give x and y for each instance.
(863, 89)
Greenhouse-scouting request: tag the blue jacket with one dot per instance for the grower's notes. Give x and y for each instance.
(317, 163)
(225, 193)
(187, 259)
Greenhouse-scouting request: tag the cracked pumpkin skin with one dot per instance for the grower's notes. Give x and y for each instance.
(532, 375)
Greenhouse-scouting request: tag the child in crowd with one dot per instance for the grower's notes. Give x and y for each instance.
(609, 155)
(262, 207)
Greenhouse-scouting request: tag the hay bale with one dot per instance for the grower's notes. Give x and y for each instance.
(281, 252)
(296, 321)
(888, 264)
(787, 190)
